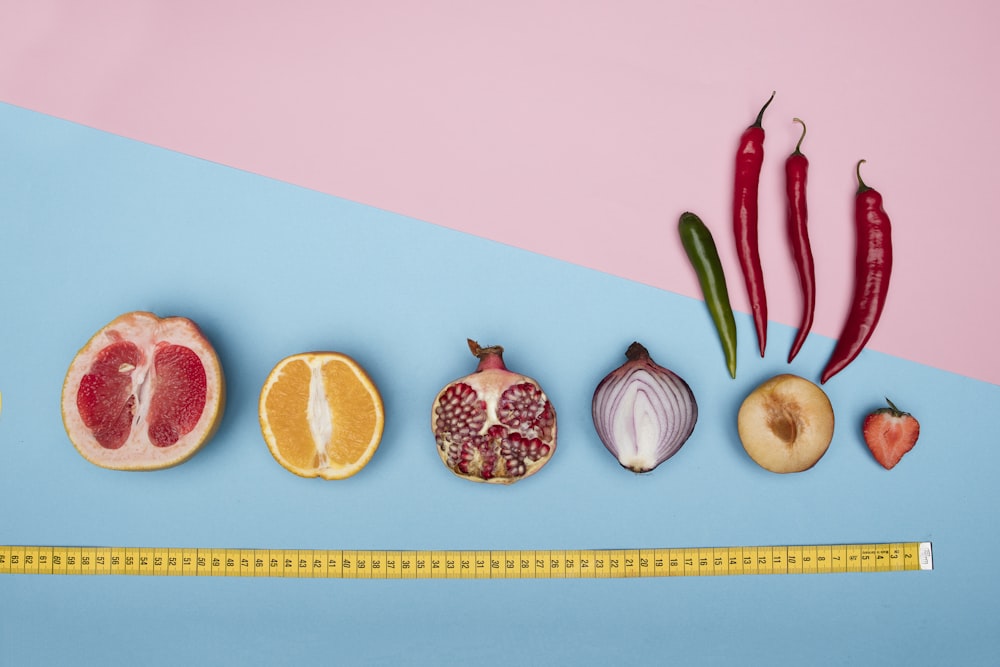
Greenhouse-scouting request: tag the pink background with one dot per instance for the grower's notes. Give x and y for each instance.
(579, 130)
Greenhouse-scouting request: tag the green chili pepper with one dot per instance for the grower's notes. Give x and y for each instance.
(700, 248)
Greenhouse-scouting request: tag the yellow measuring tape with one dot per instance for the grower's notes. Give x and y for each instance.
(504, 564)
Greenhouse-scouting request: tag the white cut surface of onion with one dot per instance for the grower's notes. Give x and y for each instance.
(643, 413)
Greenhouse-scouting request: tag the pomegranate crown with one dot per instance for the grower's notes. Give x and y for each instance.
(489, 357)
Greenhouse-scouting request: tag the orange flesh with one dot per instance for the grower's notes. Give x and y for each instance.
(287, 406)
(321, 415)
(353, 411)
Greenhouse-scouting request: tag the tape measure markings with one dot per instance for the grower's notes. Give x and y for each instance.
(504, 564)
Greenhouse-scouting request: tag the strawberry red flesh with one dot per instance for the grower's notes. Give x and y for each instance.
(890, 433)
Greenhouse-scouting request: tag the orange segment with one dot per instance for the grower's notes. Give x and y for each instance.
(321, 415)
(286, 411)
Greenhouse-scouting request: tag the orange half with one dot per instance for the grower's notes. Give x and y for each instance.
(321, 415)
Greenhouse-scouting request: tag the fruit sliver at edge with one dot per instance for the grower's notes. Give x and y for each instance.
(105, 399)
(179, 394)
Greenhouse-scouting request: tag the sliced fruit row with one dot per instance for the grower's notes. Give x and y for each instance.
(147, 393)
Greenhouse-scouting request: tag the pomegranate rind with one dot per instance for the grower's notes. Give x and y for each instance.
(146, 330)
(327, 471)
(489, 384)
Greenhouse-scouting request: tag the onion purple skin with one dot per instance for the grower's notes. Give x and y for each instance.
(643, 412)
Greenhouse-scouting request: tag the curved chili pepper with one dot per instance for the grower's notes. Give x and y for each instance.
(701, 250)
(873, 265)
(749, 158)
(796, 171)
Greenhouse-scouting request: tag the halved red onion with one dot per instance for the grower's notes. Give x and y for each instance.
(643, 412)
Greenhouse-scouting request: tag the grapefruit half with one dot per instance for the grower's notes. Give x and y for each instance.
(144, 393)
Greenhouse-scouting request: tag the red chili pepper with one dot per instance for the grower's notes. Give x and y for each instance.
(873, 264)
(796, 171)
(749, 159)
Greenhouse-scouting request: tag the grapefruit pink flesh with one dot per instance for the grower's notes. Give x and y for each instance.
(179, 396)
(105, 399)
(107, 396)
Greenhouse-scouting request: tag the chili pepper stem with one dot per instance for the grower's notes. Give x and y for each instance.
(798, 146)
(861, 184)
(760, 115)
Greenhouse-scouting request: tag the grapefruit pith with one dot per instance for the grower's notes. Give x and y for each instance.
(144, 393)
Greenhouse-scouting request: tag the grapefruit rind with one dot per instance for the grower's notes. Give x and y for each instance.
(328, 470)
(137, 454)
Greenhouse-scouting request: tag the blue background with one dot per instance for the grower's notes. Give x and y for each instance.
(93, 225)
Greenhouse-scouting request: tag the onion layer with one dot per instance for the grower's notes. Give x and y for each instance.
(643, 412)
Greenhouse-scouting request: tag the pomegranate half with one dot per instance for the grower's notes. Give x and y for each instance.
(144, 393)
(493, 425)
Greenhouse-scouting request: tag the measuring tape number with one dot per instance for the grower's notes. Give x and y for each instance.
(505, 564)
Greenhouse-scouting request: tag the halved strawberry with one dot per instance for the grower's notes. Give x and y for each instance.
(890, 433)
